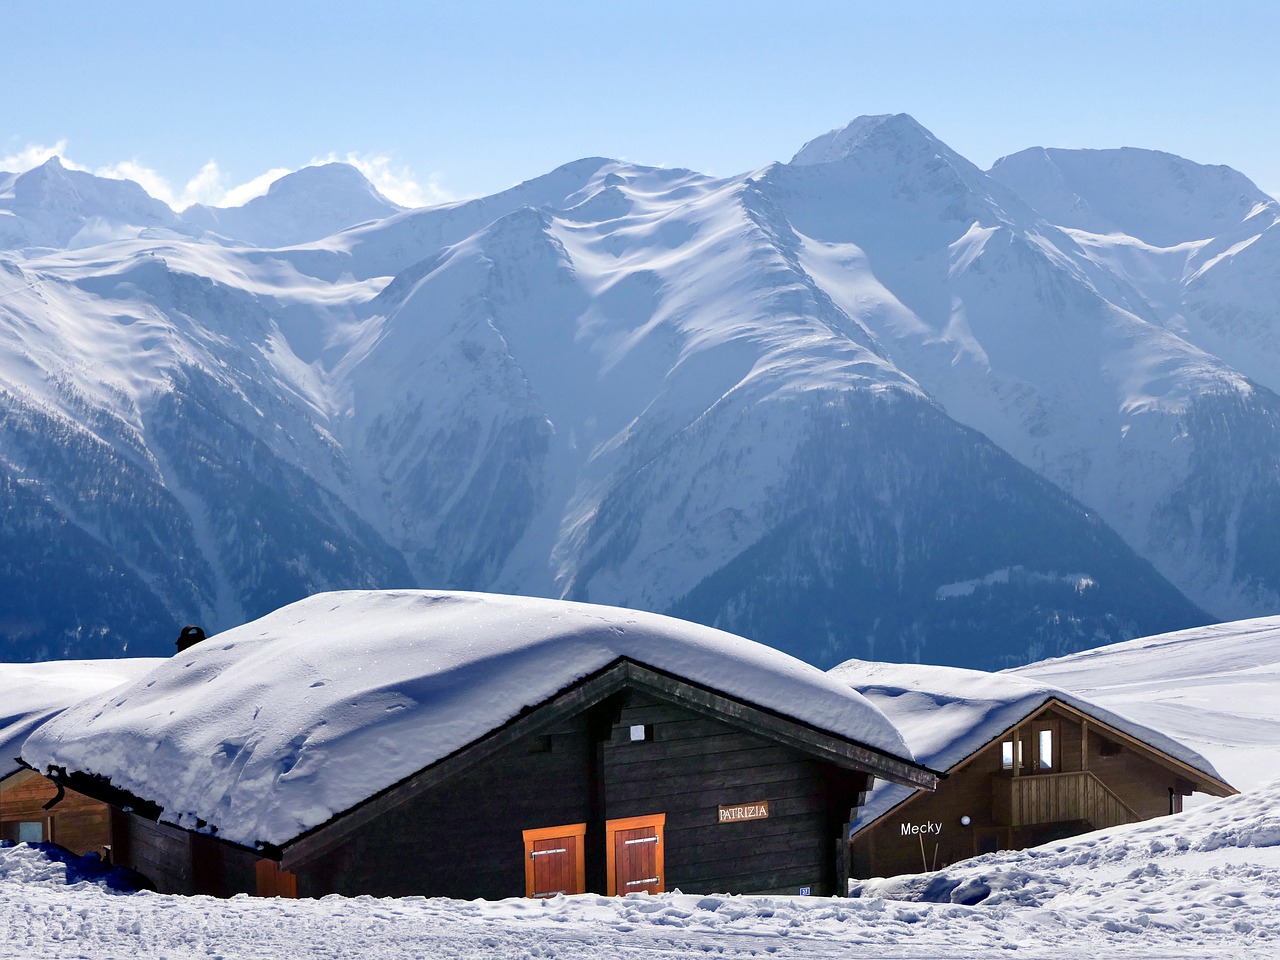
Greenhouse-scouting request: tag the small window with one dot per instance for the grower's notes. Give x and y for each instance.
(1007, 754)
(1045, 748)
(1045, 759)
(22, 831)
(641, 732)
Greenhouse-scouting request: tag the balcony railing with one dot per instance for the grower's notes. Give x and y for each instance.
(1058, 798)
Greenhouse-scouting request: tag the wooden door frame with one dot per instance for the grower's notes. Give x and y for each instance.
(577, 830)
(656, 820)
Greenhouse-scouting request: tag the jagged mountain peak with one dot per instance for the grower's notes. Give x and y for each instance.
(1157, 197)
(390, 246)
(51, 169)
(890, 186)
(51, 166)
(868, 133)
(583, 165)
(890, 162)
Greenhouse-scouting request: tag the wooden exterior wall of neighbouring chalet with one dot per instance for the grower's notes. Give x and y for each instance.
(1124, 780)
(463, 837)
(76, 822)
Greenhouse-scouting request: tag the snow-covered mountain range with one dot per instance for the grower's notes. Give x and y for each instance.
(872, 402)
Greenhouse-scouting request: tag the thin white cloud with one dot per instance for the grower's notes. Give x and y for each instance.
(208, 186)
(150, 180)
(397, 183)
(31, 156)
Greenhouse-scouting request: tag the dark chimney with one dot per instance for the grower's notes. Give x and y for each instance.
(189, 637)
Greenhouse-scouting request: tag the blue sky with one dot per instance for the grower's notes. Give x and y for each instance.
(461, 99)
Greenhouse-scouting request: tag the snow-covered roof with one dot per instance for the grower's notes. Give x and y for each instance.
(31, 693)
(948, 713)
(274, 727)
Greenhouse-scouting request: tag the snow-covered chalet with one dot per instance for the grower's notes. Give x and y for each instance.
(1025, 763)
(472, 745)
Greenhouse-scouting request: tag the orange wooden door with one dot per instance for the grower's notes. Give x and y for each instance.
(554, 861)
(274, 882)
(636, 854)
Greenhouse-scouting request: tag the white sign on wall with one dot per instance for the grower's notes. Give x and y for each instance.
(917, 829)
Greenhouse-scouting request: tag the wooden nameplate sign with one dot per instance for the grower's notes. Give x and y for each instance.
(744, 811)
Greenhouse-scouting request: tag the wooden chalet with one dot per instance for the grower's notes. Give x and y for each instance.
(34, 809)
(634, 777)
(1024, 764)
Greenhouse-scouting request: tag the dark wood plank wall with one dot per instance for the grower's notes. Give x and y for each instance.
(160, 853)
(176, 861)
(75, 822)
(692, 765)
(220, 869)
(464, 838)
(1068, 746)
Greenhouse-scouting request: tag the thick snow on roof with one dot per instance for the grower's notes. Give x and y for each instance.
(31, 693)
(270, 729)
(949, 713)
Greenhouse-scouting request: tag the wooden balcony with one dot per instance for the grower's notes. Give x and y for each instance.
(1057, 798)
